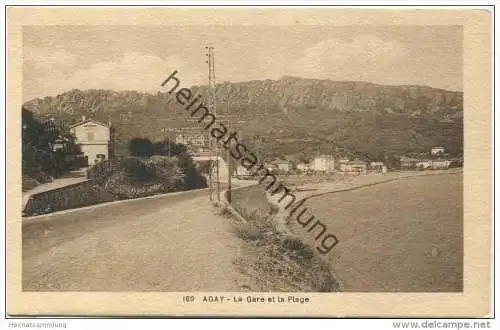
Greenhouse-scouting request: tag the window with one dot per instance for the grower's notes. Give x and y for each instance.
(90, 136)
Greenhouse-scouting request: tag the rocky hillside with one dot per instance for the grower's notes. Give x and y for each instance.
(296, 93)
(288, 93)
(285, 110)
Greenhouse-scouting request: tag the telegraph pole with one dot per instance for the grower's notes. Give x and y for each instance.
(213, 110)
(229, 167)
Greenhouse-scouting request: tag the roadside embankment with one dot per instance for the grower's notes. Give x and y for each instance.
(277, 260)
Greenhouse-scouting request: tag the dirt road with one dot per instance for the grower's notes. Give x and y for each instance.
(146, 245)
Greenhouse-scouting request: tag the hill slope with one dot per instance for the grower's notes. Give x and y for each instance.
(292, 115)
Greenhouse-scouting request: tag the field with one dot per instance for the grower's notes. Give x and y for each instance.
(404, 236)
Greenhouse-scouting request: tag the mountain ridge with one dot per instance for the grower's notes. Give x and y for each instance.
(288, 90)
(359, 116)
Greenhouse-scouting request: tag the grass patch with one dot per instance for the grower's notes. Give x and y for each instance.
(279, 262)
(224, 212)
(256, 228)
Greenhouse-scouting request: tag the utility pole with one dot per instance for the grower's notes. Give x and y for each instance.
(229, 167)
(169, 137)
(213, 110)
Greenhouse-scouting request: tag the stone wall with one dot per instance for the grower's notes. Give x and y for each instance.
(76, 195)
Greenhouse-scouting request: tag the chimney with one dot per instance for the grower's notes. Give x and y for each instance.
(83, 118)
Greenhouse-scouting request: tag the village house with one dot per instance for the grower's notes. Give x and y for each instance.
(283, 165)
(355, 167)
(192, 140)
(94, 139)
(324, 163)
(378, 167)
(424, 164)
(242, 171)
(408, 163)
(270, 166)
(340, 162)
(436, 151)
(440, 164)
(344, 160)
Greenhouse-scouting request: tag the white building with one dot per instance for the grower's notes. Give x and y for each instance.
(437, 151)
(440, 164)
(424, 164)
(378, 167)
(192, 140)
(242, 171)
(283, 166)
(211, 166)
(355, 167)
(93, 138)
(324, 163)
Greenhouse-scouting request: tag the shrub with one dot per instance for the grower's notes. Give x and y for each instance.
(193, 179)
(141, 147)
(133, 177)
(137, 170)
(280, 262)
(297, 249)
(168, 172)
(100, 171)
(249, 232)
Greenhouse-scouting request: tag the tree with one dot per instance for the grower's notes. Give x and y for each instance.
(168, 148)
(193, 179)
(177, 149)
(40, 155)
(141, 147)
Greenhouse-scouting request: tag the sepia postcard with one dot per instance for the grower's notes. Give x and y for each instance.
(249, 161)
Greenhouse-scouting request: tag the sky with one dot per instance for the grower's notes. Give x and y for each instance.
(60, 58)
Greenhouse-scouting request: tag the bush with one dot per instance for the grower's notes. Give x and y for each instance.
(281, 262)
(193, 179)
(298, 249)
(137, 170)
(141, 147)
(168, 172)
(100, 171)
(134, 177)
